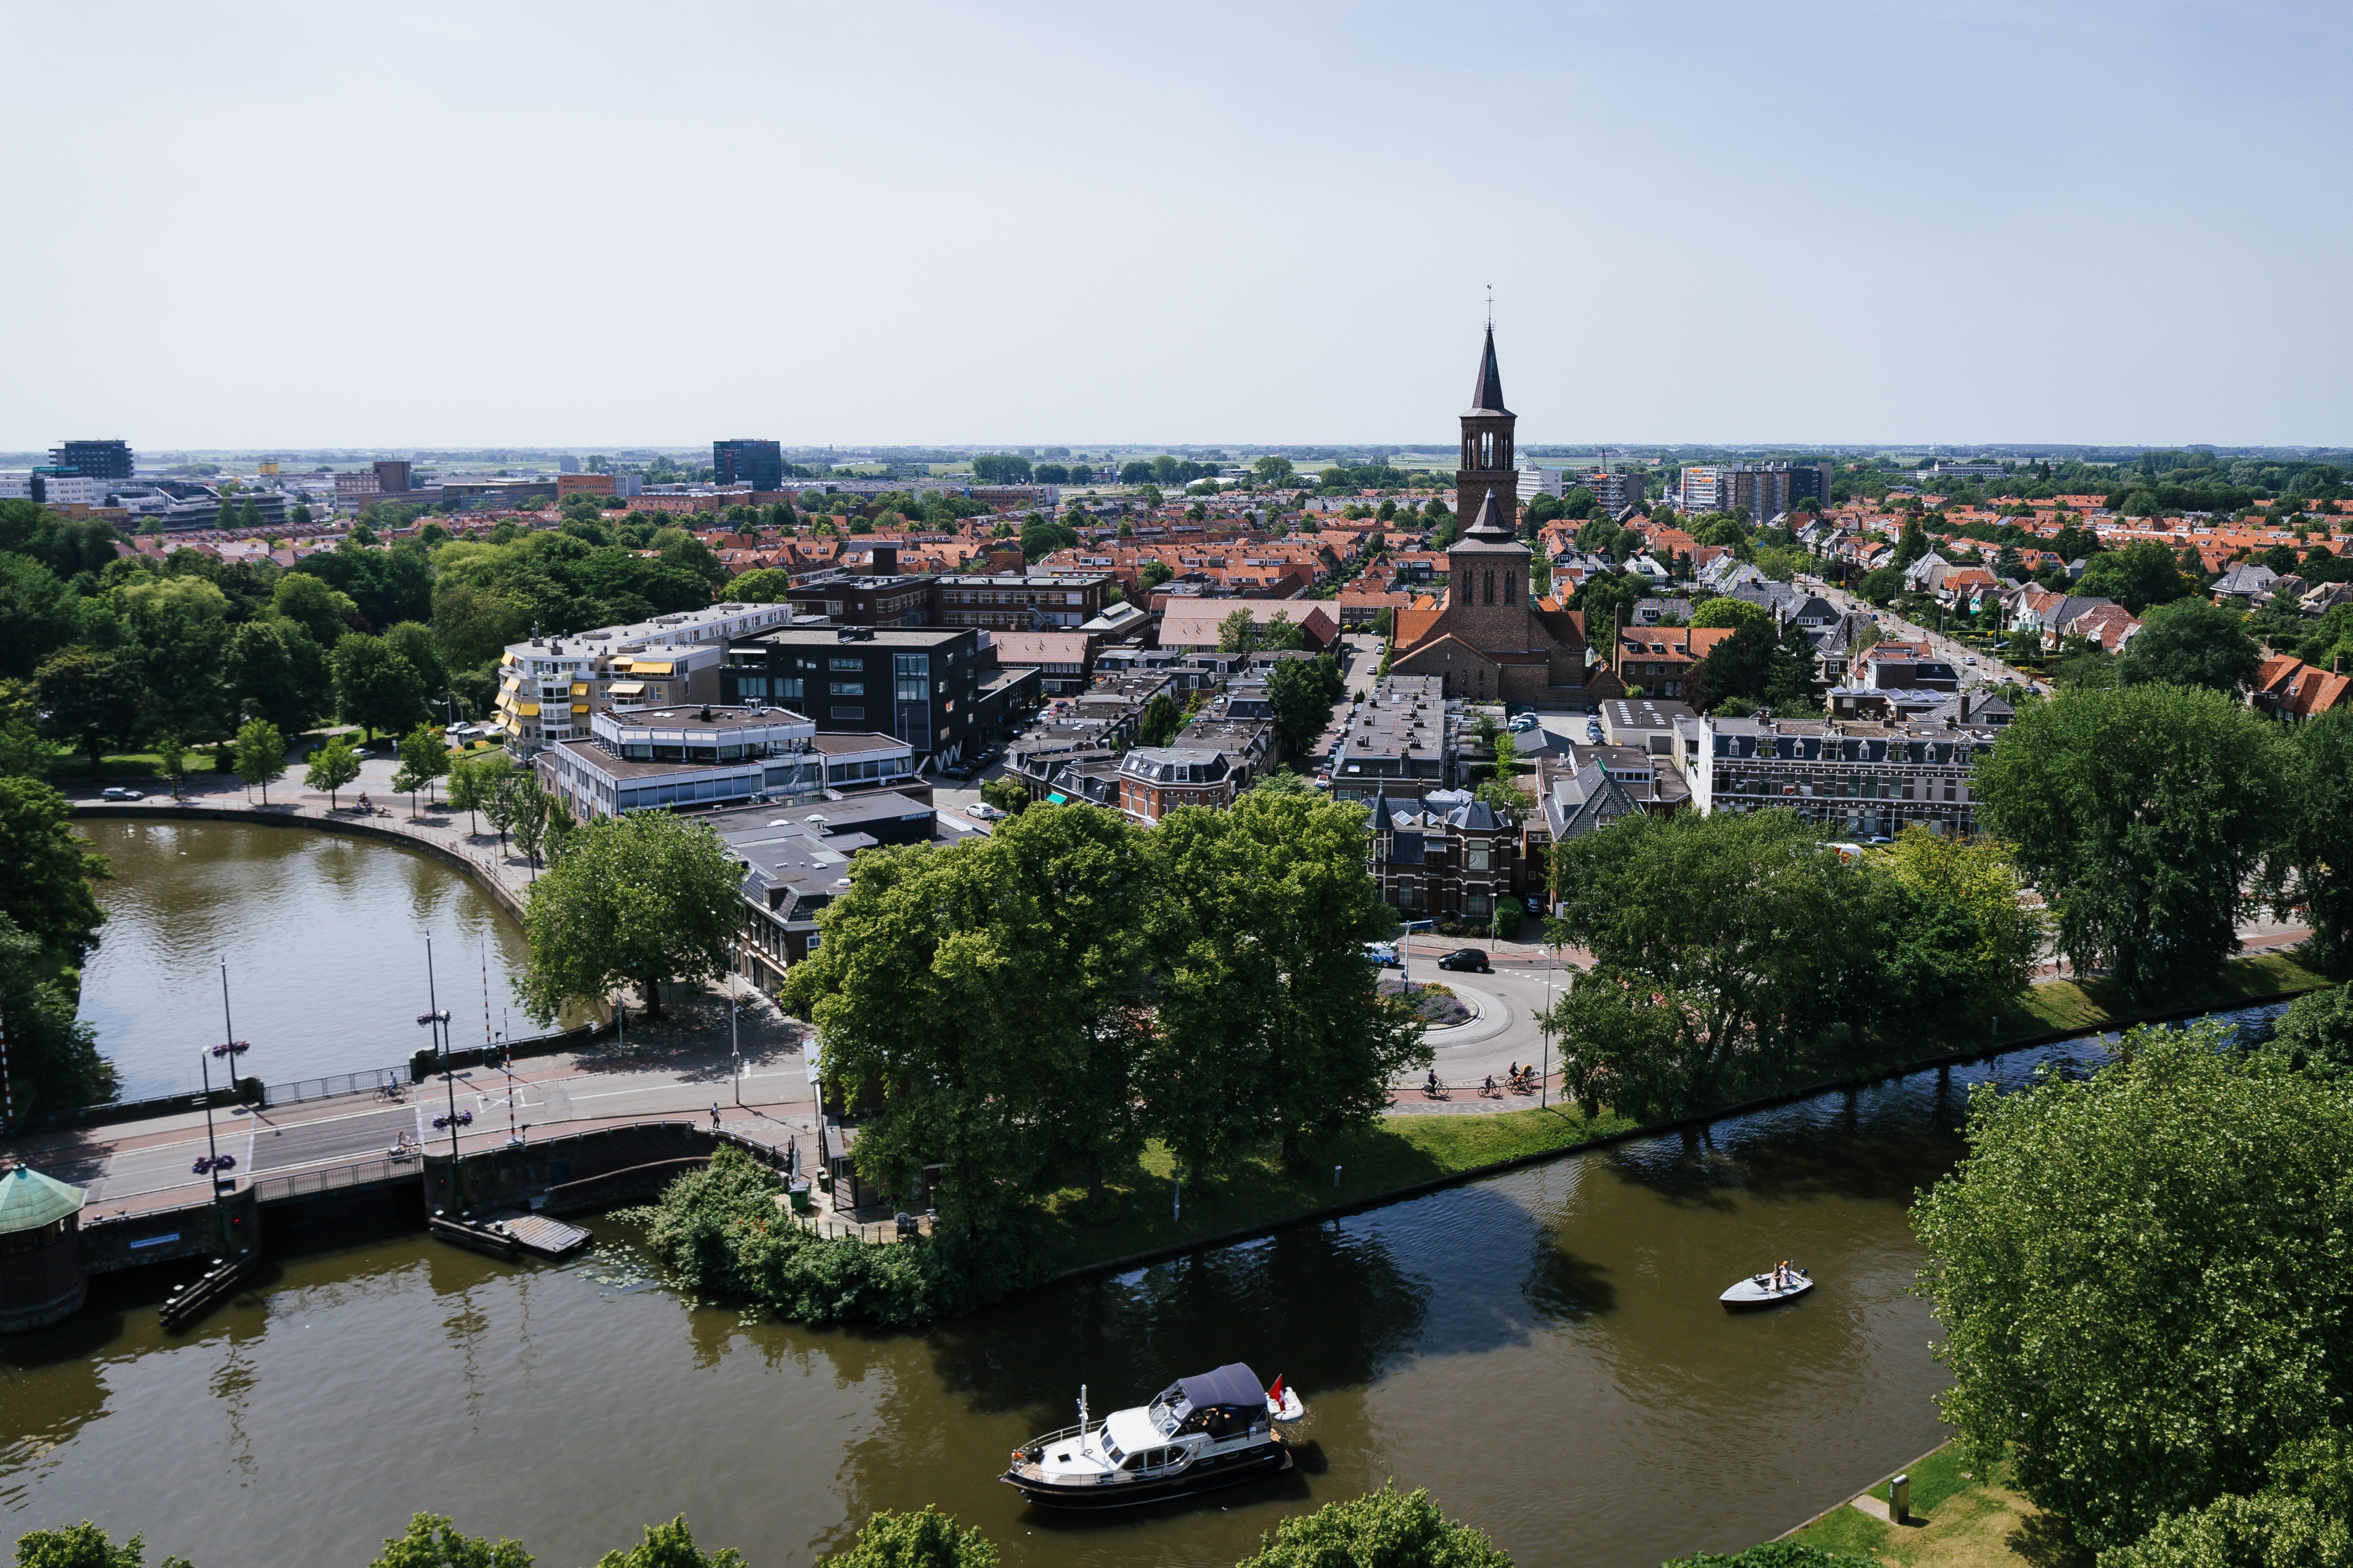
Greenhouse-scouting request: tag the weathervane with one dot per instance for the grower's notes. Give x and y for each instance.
(1490, 307)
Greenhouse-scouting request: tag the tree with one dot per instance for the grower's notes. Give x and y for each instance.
(1282, 634)
(521, 807)
(1161, 718)
(1739, 666)
(413, 641)
(475, 783)
(1386, 1529)
(991, 988)
(2314, 1036)
(648, 899)
(46, 872)
(1912, 543)
(2147, 816)
(2189, 642)
(2141, 574)
(53, 1060)
(1882, 586)
(83, 1545)
(768, 586)
(35, 620)
(1273, 471)
(424, 757)
(1978, 878)
(924, 1539)
(180, 628)
(336, 764)
(1238, 633)
(1041, 536)
(670, 1545)
(376, 687)
(1295, 690)
(1745, 927)
(277, 672)
(2138, 1278)
(432, 1540)
(260, 754)
(90, 699)
(1268, 1025)
(314, 605)
(172, 754)
(1723, 611)
(2319, 848)
(1498, 791)
(999, 469)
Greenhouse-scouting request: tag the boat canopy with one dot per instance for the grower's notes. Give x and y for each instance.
(1232, 1384)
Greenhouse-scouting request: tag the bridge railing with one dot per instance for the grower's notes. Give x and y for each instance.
(301, 1089)
(331, 1178)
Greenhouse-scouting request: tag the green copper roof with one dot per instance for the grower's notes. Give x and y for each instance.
(29, 1200)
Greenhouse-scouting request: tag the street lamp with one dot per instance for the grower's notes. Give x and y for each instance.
(214, 1162)
(436, 1018)
(1543, 1081)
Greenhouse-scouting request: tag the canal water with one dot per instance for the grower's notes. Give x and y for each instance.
(1544, 1351)
(325, 940)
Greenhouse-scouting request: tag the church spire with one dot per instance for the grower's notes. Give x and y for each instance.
(1487, 397)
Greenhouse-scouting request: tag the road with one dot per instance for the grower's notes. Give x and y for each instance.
(1988, 670)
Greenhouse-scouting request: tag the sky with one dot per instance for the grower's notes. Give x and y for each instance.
(310, 226)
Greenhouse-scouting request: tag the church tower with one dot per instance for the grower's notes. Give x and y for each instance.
(1486, 469)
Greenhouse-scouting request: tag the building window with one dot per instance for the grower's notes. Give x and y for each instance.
(849, 687)
(852, 711)
(857, 664)
(1474, 856)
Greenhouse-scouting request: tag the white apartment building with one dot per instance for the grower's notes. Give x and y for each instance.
(550, 687)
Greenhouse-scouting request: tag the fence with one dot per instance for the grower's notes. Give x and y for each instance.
(331, 1178)
(327, 1088)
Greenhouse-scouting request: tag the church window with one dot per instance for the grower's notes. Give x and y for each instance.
(1491, 587)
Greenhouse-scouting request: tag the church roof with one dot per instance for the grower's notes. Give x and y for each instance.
(1487, 397)
(1487, 532)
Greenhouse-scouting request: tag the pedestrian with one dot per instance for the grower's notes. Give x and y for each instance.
(714, 1116)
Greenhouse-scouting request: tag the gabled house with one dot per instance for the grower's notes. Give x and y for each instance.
(2287, 688)
(1445, 855)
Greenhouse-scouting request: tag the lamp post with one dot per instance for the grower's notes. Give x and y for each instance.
(1544, 1082)
(734, 1046)
(436, 1019)
(214, 1162)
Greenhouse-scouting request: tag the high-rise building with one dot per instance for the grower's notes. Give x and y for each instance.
(93, 459)
(743, 462)
(392, 476)
(1767, 490)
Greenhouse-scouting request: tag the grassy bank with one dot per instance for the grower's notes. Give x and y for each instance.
(1960, 1519)
(1397, 1153)
(1402, 1152)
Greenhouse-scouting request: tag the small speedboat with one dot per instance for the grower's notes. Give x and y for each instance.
(1212, 1430)
(1764, 1291)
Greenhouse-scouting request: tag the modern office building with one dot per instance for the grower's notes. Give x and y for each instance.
(760, 464)
(922, 686)
(392, 476)
(1011, 602)
(93, 459)
(1767, 490)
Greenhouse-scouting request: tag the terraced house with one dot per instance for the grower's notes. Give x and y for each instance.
(1864, 777)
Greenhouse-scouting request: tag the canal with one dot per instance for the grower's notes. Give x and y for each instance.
(1544, 1351)
(325, 940)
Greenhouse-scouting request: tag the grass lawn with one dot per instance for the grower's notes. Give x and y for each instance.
(1397, 1152)
(2068, 1004)
(1960, 1521)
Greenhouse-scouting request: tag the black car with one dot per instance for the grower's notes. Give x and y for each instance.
(1471, 958)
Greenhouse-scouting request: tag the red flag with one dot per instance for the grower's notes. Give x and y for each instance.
(1274, 1394)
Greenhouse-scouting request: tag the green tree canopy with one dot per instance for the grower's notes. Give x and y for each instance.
(2138, 1278)
(336, 764)
(314, 605)
(768, 586)
(928, 1539)
(46, 872)
(670, 1545)
(1301, 700)
(424, 757)
(260, 753)
(275, 671)
(2147, 816)
(2319, 846)
(1726, 611)
(432, 1540)
(83, 1545)
(2189, 642)
(1161, 718)
(647, 899)
(1386, 1529)
(2141, 574)
(376, 687)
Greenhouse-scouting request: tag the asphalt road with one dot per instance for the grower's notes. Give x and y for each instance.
(1987, 671)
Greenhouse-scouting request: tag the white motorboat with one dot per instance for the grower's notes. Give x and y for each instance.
(1765, 1290)
(1201, 1432)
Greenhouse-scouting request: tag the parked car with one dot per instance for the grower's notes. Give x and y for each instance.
(1593, 731)
(1382, 953)
(121, 792)
(1471, 958)
(984, 811)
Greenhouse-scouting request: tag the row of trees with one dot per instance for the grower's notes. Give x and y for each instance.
(49, 921)
(1385, 1529)
(1732, 950)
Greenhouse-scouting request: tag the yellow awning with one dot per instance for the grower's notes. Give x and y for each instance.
(579, 689)
(528, 710)
(580, 708)
(628, 689)
(651, 666)
(507, 659)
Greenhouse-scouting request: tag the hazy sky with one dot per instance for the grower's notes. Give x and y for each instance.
(318, 224)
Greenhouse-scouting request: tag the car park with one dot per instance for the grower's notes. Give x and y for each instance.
(121, 792)
(1469, 958)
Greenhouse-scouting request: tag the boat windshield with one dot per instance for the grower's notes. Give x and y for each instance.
(1112, 1452)
(1168, 1411)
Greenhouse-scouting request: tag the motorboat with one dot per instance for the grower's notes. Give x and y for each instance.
(1212, 1430)
(1765, 1290)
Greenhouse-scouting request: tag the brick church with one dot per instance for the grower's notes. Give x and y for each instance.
(1490, 636)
